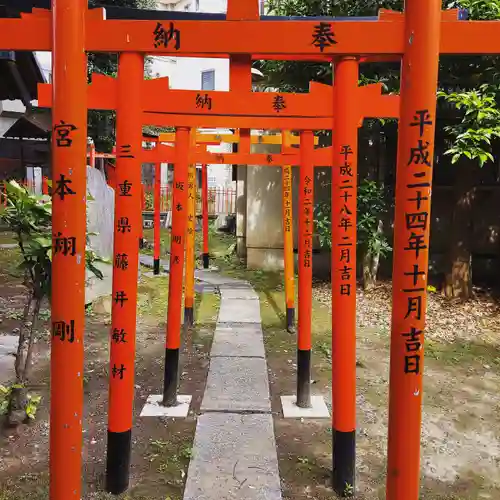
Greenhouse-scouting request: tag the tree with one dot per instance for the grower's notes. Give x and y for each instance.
(29, 217)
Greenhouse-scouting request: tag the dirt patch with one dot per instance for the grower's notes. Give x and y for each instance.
(161, 447)
(461, 422)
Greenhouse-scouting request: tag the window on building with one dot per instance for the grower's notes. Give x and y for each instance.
(208, 80)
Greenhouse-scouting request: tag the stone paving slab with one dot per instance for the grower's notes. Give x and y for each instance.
(234, 458)
(239, 311)
(238, 293)
(237, 384)
(8, 346)
(204, 288)
(242, 341)
(215, 278)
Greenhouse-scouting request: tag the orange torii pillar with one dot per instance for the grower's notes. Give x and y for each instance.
(177, 246)
(411, 244)
(306, 229)
(128, 221)
(289, 263)
(157, 219)
(69, 159)
(45, 185)
(344, 192)
(190, 244)
(204, 204)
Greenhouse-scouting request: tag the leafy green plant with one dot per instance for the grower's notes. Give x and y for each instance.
(479, 125)
(32, 405)
(348, 490)
(29, 217)
(372, 242)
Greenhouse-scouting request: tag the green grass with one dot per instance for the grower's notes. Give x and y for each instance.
(152, 301)
(6, 237)
(10, 260)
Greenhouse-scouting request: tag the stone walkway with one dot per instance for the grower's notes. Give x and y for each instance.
(234, 451)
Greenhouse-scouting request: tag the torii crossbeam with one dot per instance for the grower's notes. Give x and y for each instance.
(325, 37)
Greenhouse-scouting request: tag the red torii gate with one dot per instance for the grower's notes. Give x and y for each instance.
(418, 36)
(246, 105)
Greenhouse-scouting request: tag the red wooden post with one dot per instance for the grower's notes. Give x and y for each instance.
(45, 185)
(190, 245)
(69, 151)
(288, 257)
(128, 223)
(344, 189)
(411, 244)
(177, 246)
(204, 202)
(306, 227)
(157, 218)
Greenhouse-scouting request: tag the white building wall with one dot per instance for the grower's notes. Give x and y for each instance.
(10, 112)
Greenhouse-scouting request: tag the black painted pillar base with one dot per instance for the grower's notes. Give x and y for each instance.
(206, 261)
(290, 319)
(344, 463)
(188, 316)
(303, 379)
(141, 243)
(118, 461)
(156, 266)
(171, 379)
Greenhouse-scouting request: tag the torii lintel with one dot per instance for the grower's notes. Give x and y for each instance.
(158, 98)
(257, 37)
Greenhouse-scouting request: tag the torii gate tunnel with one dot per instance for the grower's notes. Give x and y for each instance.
(417, 36)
